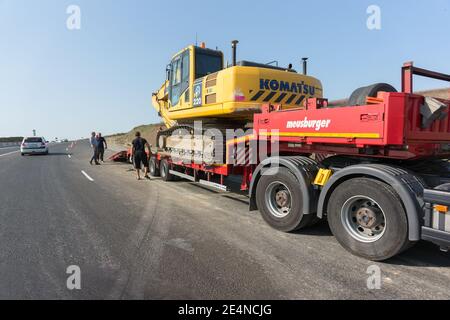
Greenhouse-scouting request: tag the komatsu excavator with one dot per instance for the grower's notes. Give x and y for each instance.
(199, 87)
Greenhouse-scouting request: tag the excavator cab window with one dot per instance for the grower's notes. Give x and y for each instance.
(207, 62)
(175, 80)
(179, 77)
(185, 74)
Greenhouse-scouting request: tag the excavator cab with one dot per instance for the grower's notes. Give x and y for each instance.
(185, 68)
(200, 87)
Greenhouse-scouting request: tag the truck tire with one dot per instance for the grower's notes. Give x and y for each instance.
(368, 219)
(279, 198)
(153, 168)
(164, 168)
(358, 97)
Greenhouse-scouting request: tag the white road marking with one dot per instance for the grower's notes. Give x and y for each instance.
(87, 176)
(69, 156)
(13, 147)
(5, 154)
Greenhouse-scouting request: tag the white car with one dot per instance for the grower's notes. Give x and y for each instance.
(34, 145)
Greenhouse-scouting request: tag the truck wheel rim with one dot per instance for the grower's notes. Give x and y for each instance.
(278, 199)
(363, 218)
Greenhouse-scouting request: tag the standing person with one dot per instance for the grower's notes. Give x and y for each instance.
(102, 145)
(94, 145)
(139, 155)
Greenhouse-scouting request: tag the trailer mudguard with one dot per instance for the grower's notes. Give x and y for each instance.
(408, 186)
(305, 170)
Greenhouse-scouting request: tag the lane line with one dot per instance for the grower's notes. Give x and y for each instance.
(13, 147)
(6, 154)
(87, 176)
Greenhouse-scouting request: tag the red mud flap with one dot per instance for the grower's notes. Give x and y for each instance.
(119, 156)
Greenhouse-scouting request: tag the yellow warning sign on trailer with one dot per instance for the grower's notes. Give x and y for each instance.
(322, 177)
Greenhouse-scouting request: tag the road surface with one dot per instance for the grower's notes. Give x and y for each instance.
(4, 151)
(155, 240)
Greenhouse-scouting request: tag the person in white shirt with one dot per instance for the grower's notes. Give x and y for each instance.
(94, 145)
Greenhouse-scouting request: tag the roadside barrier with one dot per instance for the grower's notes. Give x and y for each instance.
(9, 144)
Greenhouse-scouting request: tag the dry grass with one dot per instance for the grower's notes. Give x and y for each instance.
(148, 132)
(437, 93)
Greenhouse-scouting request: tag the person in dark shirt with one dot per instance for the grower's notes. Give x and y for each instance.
(139, 155)
(102, 145)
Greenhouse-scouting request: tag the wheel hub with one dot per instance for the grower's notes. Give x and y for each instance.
(278, 199)
(363, 219)
(368, 217)
(282, 198)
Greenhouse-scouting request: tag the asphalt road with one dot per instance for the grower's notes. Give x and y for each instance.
(155, 240)
(4, 151)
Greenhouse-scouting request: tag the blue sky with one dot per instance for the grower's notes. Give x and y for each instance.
(67, 83)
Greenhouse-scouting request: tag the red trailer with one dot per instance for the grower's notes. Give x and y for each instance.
(376, 169)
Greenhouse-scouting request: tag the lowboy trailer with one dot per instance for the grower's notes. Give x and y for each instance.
(377, 171)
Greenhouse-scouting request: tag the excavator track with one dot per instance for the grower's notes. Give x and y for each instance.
(185, 143)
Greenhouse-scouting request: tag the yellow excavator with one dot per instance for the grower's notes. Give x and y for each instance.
(199, 87)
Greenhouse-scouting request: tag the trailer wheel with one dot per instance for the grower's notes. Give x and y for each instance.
(279, 200)
(164, 168)
(368, 219)
(154, 171)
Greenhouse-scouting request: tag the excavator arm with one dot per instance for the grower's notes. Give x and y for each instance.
(160, 100)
